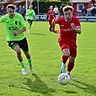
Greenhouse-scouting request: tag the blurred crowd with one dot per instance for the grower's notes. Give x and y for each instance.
(84, 12)
(7, 0)
(57, 9)
(3, 0)
(2, 10)
(90, 11)
(20, 9)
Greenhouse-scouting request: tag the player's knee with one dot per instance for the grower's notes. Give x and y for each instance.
(18, 52)
(27, 54)
(66, 52)
(71, 59)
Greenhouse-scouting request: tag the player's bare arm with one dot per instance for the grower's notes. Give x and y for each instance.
(20, 31)
(53, 27)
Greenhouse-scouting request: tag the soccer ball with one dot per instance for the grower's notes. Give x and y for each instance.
(63, 78)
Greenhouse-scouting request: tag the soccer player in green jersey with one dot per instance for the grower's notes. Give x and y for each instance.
(30, 16)
(16, 39)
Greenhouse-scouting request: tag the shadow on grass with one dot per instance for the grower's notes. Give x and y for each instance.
(37, 34)
(71, 92)
(91, 89)
(38, 86)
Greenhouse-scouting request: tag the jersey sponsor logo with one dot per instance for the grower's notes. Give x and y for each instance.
(67, 30)
(62, 25)
(13, 28)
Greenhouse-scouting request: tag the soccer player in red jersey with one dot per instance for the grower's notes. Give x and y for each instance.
(51, 15)
(69, 28)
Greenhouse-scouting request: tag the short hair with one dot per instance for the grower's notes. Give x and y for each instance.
(67, 7)
(12, 6)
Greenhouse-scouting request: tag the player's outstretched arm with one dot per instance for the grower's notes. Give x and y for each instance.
(53, 27)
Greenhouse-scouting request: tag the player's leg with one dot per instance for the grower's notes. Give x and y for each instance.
(66, 54)
(73, 53)
(30, 24)
(27, 54)
(18, 51)
(16, 48)
(50, 25)
(71, 63)
(24, 46)
(31, 21)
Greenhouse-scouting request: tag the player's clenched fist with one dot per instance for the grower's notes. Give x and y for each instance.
(73, 26)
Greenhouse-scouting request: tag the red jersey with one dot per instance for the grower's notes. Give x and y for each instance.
(51, 15)
(67, 34)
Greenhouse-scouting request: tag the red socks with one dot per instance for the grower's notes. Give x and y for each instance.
(70, 66)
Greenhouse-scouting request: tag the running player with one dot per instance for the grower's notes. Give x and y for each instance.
(69, 28)
(30, 16)
(51, 15)
(16, 39)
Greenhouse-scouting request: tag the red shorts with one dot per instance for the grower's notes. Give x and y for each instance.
(72, 48)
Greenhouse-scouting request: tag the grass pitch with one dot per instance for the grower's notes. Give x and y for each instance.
(46, 58)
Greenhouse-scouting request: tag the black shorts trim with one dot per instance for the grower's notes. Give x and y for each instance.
(22, 44)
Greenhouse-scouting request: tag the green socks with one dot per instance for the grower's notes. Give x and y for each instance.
(30, 61)
(22, 64)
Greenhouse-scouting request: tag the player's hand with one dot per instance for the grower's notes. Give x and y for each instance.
(56, 31)
(73, 26)
(16, 33)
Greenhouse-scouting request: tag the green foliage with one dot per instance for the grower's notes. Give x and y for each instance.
(64, 1)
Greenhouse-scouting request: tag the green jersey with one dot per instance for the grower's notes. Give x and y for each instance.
(13, 25)
(30, 14)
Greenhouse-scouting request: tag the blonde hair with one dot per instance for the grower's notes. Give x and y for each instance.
(12, 6)
(67, 7)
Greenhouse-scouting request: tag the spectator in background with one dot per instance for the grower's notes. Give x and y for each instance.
(93, 11)
(35, 9)
(3, 11)
(56, 10)
(61, 10)
(89, 10)
(17, 9)
(84, 11)
(0, 11)
(22, 10)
